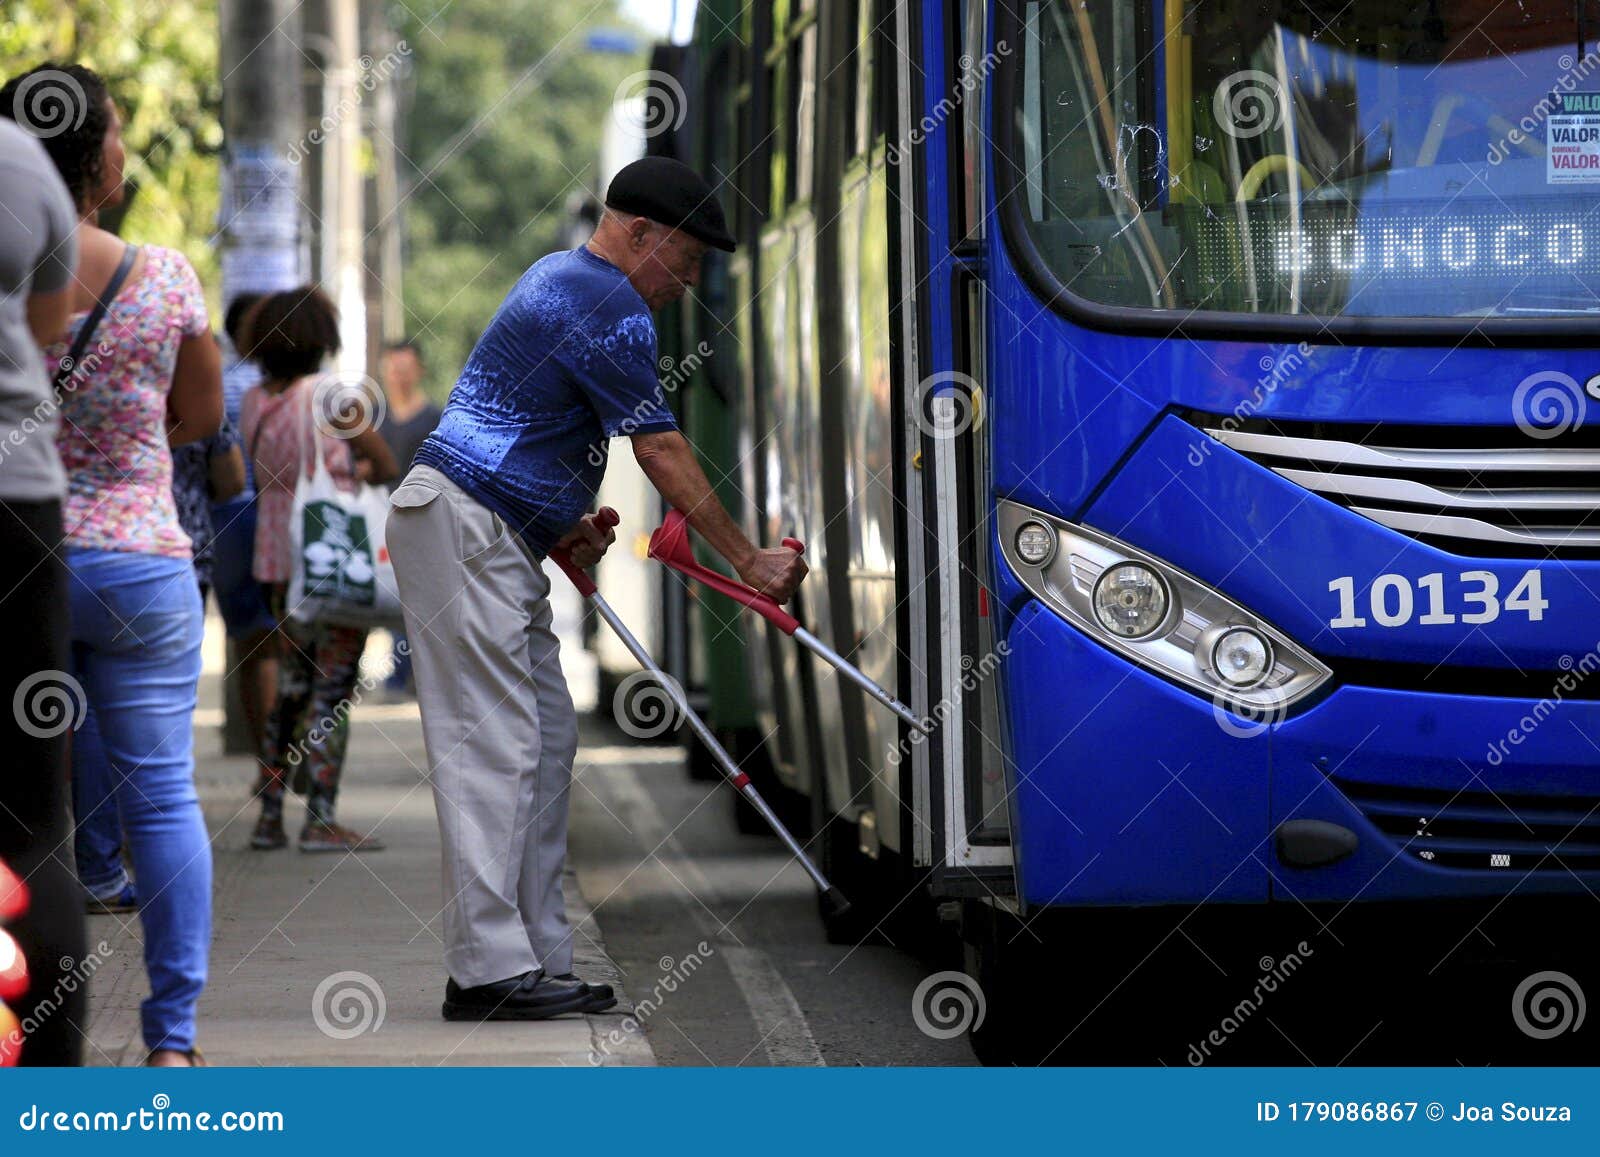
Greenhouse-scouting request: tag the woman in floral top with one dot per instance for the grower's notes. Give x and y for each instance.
(150, 379)
(198, 468)
(289, 335)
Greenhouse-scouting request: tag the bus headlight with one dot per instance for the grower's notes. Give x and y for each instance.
(1158, 616)
(1130, 600)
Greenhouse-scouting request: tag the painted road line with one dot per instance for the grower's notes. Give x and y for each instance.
(785, 1036)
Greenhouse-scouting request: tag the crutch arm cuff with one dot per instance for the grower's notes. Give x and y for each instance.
(669, 545)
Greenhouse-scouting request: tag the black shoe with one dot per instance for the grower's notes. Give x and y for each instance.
(603, 994)
(531, 996)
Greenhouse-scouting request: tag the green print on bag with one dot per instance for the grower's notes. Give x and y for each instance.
(337, 557)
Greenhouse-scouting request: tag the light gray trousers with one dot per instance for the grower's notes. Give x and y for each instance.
(498, 724)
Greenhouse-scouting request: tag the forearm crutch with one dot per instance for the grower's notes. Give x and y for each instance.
(561, 557)
(669, 545)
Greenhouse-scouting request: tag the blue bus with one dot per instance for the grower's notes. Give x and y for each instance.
(1183, 404)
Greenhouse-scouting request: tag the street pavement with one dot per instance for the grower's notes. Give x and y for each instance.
(711, 937)
(674, 882)
(336, 959)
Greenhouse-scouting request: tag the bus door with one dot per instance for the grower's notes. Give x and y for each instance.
(959, 795)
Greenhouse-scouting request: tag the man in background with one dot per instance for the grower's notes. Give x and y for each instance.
(410, 418)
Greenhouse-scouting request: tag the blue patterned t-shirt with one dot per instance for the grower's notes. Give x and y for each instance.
(568, 363)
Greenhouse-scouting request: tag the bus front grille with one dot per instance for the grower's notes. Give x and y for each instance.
(1475, 491)
(1481, 829)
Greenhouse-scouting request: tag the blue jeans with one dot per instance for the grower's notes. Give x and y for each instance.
(97, 832)
(136, 631)
(400, 674)
(240, 598)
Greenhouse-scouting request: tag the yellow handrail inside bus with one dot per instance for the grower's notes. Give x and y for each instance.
(1256, 175)
(1180, 109)
(1108, 128)
(1438, 120)
(1515, 135)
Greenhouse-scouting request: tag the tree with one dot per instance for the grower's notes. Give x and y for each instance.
(159, 60)
(503, 126)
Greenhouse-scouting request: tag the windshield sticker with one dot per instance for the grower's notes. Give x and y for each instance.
(1572, 148)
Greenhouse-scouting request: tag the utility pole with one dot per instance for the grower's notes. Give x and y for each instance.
(263, 120)
(332, 41)
(259, 219)
(386, 319)
(343, 151)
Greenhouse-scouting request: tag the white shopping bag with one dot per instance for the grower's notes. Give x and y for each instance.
(340, 568)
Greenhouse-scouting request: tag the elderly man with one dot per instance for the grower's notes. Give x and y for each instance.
(568, 362)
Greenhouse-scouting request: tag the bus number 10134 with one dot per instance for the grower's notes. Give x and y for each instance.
(1393, 600)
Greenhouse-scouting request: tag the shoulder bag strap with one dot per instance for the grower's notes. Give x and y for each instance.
(92, 322)
(314, 458)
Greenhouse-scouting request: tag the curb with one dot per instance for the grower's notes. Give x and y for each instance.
(616, 1038)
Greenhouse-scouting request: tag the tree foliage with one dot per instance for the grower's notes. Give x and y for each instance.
(502, 127)
(159, 60)
(512, 83)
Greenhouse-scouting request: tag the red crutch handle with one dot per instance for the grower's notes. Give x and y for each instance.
(669, 545)
(605, 518)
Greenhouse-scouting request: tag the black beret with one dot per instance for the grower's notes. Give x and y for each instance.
(671, 193)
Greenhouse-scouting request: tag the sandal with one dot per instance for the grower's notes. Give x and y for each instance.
(197, 1060)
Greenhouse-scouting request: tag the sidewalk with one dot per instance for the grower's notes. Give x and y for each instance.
(336, 959)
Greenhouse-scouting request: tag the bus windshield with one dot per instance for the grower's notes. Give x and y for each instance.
(1378, 158)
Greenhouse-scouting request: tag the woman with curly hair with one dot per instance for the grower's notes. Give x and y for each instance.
(291, 335)
(147, 379)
